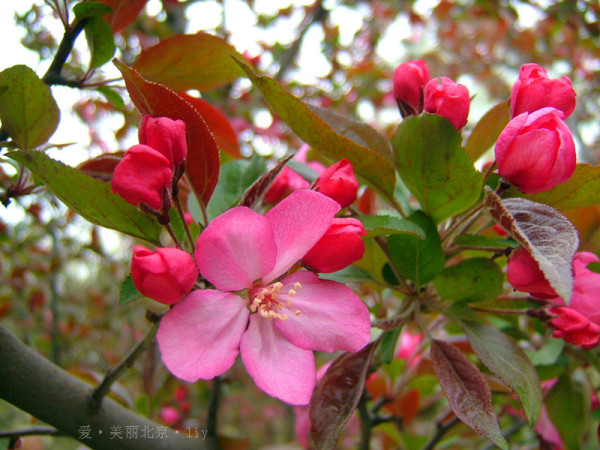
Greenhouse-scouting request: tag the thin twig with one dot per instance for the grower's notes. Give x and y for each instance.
(441, 431)
(95, 399)
(53, 74)
(35, 431)
(184, 222)
(213, 407)
(366, 424)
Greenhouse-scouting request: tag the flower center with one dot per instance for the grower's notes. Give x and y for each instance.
(269, 301)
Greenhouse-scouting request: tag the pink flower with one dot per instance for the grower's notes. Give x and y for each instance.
(165, 275)
(273, 320)
(579, 322)
(448, 99)
(166, 136)
(339, 183)
(409, 343)
(143, 176)
(409, 80)
(340, 246)
(535, 90)
(535, 151)
(170, 415)
(524, 274)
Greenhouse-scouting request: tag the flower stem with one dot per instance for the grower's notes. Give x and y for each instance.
(183, 221)
(173, 236)
(95, 398)
(213, 407)
(441, 431)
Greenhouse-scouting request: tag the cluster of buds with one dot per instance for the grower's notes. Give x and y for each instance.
(415, 92)
(577, 323)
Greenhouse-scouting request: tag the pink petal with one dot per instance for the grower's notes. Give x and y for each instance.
(298, 223)
(236, 249)
(332, 317)
(200, 336)
(278, 367)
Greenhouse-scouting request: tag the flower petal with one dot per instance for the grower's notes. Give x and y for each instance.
(200, 336)
(278, 367)
(331, 316)
(236, 249)
(298, 223)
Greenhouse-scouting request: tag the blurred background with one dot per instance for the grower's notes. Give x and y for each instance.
(60, 275)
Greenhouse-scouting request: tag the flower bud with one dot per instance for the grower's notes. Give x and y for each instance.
(165, 275)
(409, 80)
(339, 247)
(286, 182)
(166, 136)
(535, 151)
(524, 274)
(339, 183)
(579, 323)
(535, 90)
(448, 99)
(143, 175)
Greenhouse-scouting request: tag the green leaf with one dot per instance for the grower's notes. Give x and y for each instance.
(91, 9)
(476, 240)
(388, 345)
(431, 161)
(384, 225)
(101, 41)
(28, 112)
(568, 408)
(358, 132)
(90, 198)
(487, 130)
(471, 280)
(548, 353)
(128, 292)
(302, 169)
(236, 176)
(467, 391)
(460, 310)
(509, 363)
(548, 236)
(579, 191)
(190, 61)
(348, 275)
(311, 128)
(417, 259)
(113, 97)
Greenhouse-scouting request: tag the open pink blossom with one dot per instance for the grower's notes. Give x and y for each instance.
(273, 320)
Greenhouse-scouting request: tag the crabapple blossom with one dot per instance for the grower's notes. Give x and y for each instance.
(535, 151)
(273, 318)
(339, 183)
(143, 176)
(409, 79)
(167, 136)
(535, 90)
(448, 99)
(165, 275)
(340, 246)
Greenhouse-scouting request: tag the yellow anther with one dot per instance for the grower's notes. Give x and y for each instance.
(291, 293)
(297, 286)
(297, 312)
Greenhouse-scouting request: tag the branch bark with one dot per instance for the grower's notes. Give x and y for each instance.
(35, 385)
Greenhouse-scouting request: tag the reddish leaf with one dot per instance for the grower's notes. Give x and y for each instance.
(255, 192)
(101, 167)
(190, 61)
(547, 234)
(467, 391)
(219, 125)
(202, 166)
(336, 396)
(124, 12)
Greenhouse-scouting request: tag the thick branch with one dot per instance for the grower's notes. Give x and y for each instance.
(53, 75)
(35, 385)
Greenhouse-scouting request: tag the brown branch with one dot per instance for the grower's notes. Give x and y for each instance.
(35, 385)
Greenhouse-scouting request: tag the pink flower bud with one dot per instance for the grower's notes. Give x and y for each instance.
(166, 136)
(535, 90)
(535, 151)
(409, 80)
(448, 99)
(339, 247)
(286, 182)
(339, 183)
(579, 323)
(143, 175)
(170, 415)
(524, 274)
(165, 275)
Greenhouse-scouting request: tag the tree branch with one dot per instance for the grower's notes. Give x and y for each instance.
(35, 385)
(53, 74)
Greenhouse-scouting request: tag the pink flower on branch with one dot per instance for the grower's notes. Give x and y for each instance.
(273, 319)
(339, 183)
(448, 99)
(166, 136)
